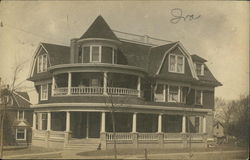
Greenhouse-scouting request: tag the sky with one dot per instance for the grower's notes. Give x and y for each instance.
(220, 34)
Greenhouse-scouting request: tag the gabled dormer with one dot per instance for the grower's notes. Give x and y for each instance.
(199, 64)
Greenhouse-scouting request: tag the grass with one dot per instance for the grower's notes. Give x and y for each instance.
(155, 151)
(10, 151)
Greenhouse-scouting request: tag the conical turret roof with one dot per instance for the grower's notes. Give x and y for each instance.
(99, 29)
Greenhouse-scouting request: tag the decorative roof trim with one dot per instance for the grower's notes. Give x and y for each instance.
(98, 39)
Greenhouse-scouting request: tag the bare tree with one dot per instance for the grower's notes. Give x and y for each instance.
(6, 94)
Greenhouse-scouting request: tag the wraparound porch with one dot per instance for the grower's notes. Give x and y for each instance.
(132, 129)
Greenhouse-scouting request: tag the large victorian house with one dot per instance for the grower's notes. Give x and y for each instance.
(161, 94)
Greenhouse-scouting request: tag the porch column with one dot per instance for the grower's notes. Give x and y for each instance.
(159, 123)
(204, 125)
(34, 120)
(139, 86)
(105, 83)
(67, 121)
(134, 123)
(103, 123)
(87, 126)
(164, 92)
(69, 82)
(53, 85)
(48, 121)
(184, 124)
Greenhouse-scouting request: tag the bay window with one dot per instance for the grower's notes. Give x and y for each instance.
(176, 63)
(198, 97)
(97, 53)
(44, 92)
(42, 63)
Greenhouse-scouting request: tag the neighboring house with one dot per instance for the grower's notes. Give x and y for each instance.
(218, 130)
(18, 119)
(161, 93)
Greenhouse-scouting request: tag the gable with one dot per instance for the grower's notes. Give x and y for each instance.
(164, 71)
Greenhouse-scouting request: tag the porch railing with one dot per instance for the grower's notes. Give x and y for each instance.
(60, 91)
(122, 91)
(39, 133)
(57, 134)
(95, 90)
(119, 136)
(86, 90)
(148, 136)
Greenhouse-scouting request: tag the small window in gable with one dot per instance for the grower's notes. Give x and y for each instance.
(42, 63)
(176, 63)
(199, 68)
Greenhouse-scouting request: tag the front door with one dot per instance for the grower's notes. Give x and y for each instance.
(85, 124)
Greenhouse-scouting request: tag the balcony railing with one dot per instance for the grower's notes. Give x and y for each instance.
(147, 136)
(122, 91)
(86, 90)
(95, 90)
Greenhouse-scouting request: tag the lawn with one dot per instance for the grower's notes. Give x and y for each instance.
(10, 151)
(156, 151)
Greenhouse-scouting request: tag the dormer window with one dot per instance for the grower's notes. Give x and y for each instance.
(176, 63)
(42, 63)
(199, 67)
(97, 54)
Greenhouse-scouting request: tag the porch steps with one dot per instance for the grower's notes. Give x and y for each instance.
(83, 144)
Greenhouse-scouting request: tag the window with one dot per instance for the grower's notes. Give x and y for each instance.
(176, 63)
(96, 54)
(198, 97)
(159, 95)
(42, 63)
(44, 92)
(44, 121)
(20, 115)
(21, 134)
(94, 82)
(199, 69)
(173, 94)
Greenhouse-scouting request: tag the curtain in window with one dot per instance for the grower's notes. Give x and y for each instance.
(173, 93)
(179, 64)
(172, 63)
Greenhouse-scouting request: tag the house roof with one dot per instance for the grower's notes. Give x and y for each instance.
(21, 100)
(156, 55)
(136, 54)
(198, 58)
(58, 54)
(99, 29)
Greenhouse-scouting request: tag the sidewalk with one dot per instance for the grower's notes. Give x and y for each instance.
(35, 155)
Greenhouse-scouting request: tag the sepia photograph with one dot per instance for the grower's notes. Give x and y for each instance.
(124, 80)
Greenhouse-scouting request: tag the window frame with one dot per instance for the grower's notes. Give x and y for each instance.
(25, 134)
(42, 67)
(202, 69)
(201, 97)
(176, 63)
(18, 115)
(99, 54)
(178, 93)
(41, 92)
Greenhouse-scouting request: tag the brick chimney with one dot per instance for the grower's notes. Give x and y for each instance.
(73, 50)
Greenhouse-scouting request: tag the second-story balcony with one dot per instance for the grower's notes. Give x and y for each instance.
(96, 83)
